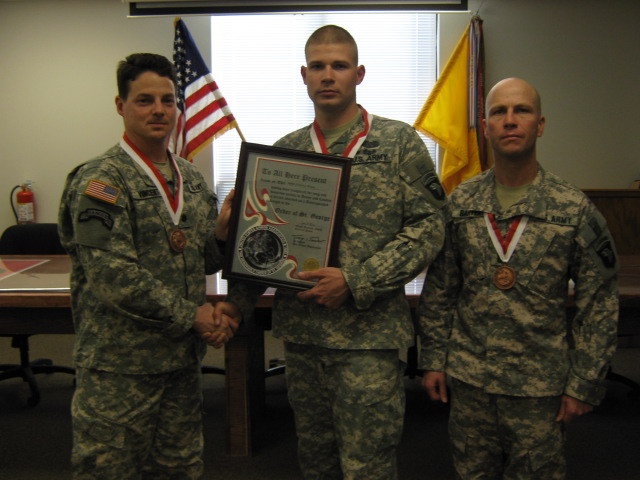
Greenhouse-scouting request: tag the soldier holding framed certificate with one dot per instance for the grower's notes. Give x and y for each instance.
(343, 333)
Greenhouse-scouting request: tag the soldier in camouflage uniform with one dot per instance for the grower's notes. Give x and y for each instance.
(141, 244)
(342, 337)
(493, 313)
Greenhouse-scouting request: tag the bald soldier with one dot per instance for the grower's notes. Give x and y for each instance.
(493, 316)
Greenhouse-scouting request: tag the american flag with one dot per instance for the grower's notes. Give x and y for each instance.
(204, 114)
(102, 191)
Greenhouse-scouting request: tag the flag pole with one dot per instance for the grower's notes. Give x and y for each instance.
(240, 132)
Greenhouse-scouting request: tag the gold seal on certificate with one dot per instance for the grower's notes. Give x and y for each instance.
(504, 277)
(310, 264)
(177, 240)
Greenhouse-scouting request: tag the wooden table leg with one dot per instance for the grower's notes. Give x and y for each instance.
(245, 384)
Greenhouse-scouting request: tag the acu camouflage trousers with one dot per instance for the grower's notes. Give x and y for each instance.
(349, 410)
(128, 427)
(499, 437)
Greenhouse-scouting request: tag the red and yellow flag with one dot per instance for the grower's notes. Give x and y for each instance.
(452, 114)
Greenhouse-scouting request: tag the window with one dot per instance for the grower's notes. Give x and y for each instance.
(256, 62)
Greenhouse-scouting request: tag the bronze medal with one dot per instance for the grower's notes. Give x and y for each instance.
(504, 277)
(177, 240)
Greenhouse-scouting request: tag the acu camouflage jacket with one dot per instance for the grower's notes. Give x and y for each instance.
(134, 299)
(393, 227)
(520, 341)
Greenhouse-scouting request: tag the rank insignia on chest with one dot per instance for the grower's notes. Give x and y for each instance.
(195, 188)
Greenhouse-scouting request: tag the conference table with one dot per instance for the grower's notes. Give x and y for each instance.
(35, 299)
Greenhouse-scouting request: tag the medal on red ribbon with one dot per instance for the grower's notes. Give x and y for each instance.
(177, 240)
(504, 277)
(174, 201)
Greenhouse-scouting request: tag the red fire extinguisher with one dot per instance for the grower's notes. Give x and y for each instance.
(25, 209)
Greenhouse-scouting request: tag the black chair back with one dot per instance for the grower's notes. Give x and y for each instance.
(31, 239)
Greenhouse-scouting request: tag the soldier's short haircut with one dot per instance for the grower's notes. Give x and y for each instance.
(332, 34)
(137, 63)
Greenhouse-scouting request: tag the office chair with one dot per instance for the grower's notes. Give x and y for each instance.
(30, 239)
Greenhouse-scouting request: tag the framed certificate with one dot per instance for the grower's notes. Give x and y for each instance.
(287, 215)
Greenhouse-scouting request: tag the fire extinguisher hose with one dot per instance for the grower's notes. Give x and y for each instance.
(13, 207)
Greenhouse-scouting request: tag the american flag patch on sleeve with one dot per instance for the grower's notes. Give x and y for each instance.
(102, 191)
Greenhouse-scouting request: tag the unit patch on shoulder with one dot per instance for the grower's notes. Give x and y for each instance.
(94, 213)
(102, 191)
(607, 254)
(432, 184)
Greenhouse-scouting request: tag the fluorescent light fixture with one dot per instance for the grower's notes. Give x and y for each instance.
(191, 7)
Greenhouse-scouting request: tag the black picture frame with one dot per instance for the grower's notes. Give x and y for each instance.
(287, 215)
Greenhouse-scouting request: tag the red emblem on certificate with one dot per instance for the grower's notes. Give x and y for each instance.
(504, 277)
(177, 240)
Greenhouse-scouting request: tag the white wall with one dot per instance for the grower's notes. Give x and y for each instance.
(58, 61)
(58, 86)
(584, 58)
